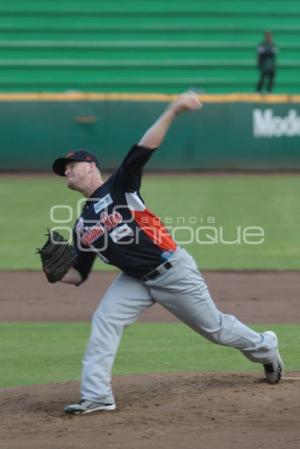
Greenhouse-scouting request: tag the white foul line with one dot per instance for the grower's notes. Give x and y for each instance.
(290, 378)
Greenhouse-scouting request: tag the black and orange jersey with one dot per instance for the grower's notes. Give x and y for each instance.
(116, 225)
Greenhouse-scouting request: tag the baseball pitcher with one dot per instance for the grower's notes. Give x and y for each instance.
(116, 225)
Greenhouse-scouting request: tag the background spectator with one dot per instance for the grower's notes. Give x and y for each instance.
(266, 62)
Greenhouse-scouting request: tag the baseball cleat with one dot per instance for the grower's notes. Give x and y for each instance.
(84, 406)
(273, 370)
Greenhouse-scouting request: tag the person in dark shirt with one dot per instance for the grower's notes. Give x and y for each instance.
(116, 225)
(266, 63)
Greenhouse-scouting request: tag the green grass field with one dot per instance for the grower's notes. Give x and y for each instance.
(33, 353)
(227, 205)
(37, 353)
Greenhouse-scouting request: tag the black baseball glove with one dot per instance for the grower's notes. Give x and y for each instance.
(57, 256)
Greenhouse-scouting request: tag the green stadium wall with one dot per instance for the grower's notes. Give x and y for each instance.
(226, 134)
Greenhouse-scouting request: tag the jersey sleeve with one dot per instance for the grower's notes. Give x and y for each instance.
(131, 170)
(84, 261)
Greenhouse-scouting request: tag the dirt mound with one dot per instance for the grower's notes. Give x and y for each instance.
(161, 411)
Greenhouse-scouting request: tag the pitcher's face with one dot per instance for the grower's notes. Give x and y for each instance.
(77, 174)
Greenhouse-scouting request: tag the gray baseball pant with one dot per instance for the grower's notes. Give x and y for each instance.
(183, 291)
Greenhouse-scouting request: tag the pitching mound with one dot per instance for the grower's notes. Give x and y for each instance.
(186, 411)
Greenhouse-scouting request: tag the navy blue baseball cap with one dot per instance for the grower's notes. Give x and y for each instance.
(76, 156)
